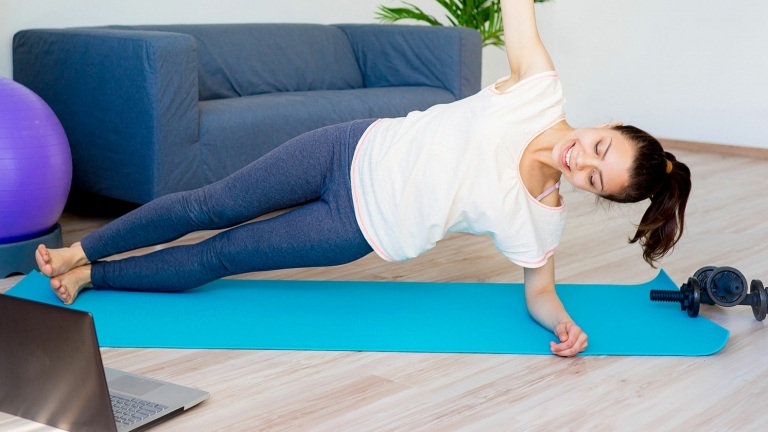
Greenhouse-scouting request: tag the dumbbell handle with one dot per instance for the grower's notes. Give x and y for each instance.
(752, 299)
(689, 297)
(749, 300)
(668, 296)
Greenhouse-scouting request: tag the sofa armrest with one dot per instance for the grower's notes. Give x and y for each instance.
(128, 101)
(402, 55)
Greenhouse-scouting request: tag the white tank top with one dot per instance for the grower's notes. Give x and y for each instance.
(455, 168)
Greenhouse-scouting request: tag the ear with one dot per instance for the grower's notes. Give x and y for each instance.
(610, 125)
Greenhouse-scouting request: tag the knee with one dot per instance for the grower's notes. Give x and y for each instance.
(196, 205)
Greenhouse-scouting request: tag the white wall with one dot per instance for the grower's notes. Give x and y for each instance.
(22, 14)
(682, 69)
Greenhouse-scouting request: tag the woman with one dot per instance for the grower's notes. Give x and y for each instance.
(396, 186)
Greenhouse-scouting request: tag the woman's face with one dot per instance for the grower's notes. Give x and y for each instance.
(596, 160)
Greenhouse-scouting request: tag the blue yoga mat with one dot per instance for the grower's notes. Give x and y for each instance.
(441, 317)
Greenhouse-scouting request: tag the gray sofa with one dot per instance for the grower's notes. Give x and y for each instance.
(155, 109)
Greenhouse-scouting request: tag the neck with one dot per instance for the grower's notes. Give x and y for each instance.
(540, 149)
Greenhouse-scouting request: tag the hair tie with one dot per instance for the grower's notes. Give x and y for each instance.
(669, 166)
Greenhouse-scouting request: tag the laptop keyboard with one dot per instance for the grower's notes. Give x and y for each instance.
(131, 410)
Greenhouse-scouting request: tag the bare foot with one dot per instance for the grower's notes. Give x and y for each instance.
(68, 285)
(54, 262)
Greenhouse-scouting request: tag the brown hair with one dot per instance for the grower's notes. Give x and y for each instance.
(656, 175)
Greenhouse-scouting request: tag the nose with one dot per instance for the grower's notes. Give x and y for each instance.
(587, 160)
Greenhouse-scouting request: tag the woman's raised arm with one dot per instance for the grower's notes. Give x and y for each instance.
(525, 51)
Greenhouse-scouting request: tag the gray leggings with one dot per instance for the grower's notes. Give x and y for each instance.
(310, 171)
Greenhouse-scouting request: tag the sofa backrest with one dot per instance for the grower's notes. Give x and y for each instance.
(249, 59)
(448, 58)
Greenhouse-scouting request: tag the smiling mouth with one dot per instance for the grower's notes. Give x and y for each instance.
(567, 156)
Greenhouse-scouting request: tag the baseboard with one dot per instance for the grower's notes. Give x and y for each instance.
(729, 150)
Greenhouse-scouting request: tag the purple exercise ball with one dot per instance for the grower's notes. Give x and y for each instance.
(35, 164)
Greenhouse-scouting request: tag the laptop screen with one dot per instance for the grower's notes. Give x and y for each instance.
(50, 367)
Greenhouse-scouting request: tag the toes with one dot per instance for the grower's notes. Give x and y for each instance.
(59, 289)
(67, 286)
(43, 259)
(64, 296)
(42, 251)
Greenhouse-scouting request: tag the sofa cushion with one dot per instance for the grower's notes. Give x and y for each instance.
(251, 59)
(234, 132)
(405, 55)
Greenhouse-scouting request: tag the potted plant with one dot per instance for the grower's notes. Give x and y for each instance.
(481, 15)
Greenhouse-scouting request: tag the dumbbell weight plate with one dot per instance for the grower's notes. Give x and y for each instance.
(693, 308)
(692, 303)
(702, 275)
(726, 286)
(760, 308)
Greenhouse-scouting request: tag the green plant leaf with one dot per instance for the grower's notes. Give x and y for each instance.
(388, 14)
(481, 15)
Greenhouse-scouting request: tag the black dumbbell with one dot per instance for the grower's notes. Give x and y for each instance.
(758, 299)
(725, 286)
(689, 296)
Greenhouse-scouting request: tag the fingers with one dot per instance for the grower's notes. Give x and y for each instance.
(610, 124)
(568, 348)
(572, 340)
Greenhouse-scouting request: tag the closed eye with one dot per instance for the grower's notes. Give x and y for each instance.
(608, 147)
(605, 153)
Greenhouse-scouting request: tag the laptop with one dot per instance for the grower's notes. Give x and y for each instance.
(51, 372)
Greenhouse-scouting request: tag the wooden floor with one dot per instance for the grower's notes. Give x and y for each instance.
(351, 391)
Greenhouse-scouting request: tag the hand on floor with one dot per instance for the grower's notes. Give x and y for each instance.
(572, 340)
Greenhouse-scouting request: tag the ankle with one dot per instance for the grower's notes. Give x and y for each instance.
(84, 276)
(78, 254)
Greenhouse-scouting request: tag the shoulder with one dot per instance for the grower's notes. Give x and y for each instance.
(512, 81)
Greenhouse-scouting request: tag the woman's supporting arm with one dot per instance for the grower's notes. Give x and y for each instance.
(546, 308)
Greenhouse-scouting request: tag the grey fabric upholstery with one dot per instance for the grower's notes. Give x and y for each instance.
(155, 109)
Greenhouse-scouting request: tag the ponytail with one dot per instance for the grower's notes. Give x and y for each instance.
(656, 175)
